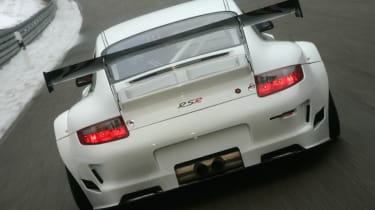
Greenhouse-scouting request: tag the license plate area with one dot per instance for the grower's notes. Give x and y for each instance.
(209, 166)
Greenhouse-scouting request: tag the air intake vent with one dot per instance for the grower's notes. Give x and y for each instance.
(319, 117)
(308, 113)
(90, 185)
(97, 176)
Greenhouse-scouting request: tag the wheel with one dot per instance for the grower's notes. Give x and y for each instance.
(79, 196)
(333, 119)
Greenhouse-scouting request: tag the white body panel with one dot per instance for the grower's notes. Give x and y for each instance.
(164, 136)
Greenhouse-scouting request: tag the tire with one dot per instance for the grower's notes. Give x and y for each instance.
(333, 119)
(79, 196)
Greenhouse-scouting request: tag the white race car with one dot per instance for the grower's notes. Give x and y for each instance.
(188, 93)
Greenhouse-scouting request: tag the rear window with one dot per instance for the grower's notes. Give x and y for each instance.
(192, 46)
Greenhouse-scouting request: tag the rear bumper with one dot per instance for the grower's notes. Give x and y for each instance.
(256, 126)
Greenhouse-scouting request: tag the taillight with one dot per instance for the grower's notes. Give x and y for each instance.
(109, 130)
(275, 81)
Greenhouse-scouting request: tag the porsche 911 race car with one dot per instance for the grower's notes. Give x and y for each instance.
(188, 93)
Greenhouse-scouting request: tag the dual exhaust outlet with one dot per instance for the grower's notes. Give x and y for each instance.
(208, 166)
(203, 170)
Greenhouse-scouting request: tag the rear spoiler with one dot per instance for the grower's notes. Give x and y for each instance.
(84, 68)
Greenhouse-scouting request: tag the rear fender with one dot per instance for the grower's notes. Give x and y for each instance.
(310, 52)
(61, 126)
(63, 140)
(98, 106)
(268, 55)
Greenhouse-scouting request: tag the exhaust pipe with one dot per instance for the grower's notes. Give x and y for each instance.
(218, 164)
(201, 169)
(208, 166)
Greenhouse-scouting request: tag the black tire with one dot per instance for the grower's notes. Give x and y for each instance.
(79, 196)
(333, 119)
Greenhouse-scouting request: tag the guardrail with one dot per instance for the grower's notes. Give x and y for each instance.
(29, 30)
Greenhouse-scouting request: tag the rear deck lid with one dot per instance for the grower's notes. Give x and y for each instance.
(189, 86)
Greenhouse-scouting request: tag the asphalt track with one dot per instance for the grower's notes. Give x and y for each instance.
(338, 175)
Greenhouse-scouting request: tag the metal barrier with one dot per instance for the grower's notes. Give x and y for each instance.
(29, 30)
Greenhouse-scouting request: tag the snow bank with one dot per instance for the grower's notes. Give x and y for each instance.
(13, 12)
(22, 78)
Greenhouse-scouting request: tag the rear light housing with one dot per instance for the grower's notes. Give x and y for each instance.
(278, 80)
(103, 132)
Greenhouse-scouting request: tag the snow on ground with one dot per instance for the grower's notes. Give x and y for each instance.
(22, 78)
(13, 12)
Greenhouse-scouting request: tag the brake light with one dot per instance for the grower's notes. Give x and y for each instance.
(275, 81)
(103, 132)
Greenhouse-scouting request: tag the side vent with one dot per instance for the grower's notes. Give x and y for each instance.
(90, 185)
(319, 117)
(97, 176)
(308, 113)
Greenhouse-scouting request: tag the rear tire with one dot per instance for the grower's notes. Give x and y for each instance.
(79, 196)
(333, 119)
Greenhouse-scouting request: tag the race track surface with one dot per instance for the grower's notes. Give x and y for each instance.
(338, 175)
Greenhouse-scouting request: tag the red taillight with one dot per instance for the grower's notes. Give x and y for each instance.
(275, 81)
(110, 130)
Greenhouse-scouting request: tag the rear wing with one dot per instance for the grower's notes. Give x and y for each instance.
(84, 68)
